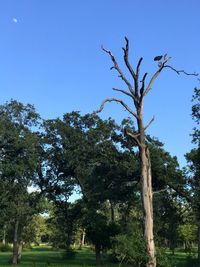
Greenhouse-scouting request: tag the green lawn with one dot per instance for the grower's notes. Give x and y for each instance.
(181, 259)
(46, 256)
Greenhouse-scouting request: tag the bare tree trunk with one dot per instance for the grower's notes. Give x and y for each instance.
(15, 243)
(147, 200)
(146, 190)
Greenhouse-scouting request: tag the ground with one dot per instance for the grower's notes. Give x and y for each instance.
(46, 256)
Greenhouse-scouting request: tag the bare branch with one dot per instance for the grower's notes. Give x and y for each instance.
(138, 67)
(160, 191)
(126, 54)
(136, 80)
(150, 123)
(116, 66)
(134, 136)
(152, 80)
(118, 101)
(123, 91)
(143, 84)
(161, 66)
(180, 71)
(180, 191)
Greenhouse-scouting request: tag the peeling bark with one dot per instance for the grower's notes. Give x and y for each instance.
(147, 200)
(146, 192)
(19, 256)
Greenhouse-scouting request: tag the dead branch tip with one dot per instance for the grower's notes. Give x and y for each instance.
(126, 39)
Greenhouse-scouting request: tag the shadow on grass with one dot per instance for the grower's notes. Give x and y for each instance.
(181, 259)
(41, 256)
(46, 256)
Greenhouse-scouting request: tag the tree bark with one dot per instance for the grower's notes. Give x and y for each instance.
(15, 243)
(146, 190)
(19, 256)
(147, 200)
(82, 239)
(98, 255)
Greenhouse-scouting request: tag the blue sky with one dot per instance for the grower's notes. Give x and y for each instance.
(50, 56)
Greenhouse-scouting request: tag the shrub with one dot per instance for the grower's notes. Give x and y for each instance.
(163, 260)
(129, 247)
(5, 247)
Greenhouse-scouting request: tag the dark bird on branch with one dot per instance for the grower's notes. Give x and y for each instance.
(158, 58)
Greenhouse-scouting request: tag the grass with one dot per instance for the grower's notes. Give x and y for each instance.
(46, 256)
(183, 260)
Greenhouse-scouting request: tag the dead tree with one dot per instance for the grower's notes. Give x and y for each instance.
(137, 90)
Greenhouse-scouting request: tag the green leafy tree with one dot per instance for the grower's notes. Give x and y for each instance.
(85, 151)
(35, 230)
(188, 234)
(18, 162)
(193, 159)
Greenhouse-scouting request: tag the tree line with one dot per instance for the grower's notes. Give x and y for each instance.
(94, 157)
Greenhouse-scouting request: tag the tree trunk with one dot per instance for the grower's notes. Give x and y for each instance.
(112, 212)
(82, 239)
(19, 254)
(98, 255)
(147, 200)
(4, 235)
(199, 242)
(15, 243)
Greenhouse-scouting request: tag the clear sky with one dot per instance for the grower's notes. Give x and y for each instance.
(50, 56)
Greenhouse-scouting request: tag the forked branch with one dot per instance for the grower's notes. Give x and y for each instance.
(126, 59)
(133, 136)
(117, 68)
(161, 66)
